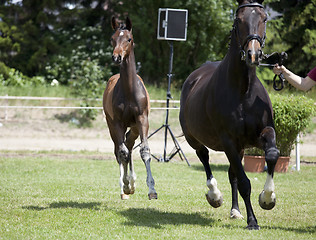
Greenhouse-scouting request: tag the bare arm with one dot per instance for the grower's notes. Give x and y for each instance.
(298, 82)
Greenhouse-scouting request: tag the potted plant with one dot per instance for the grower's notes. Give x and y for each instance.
(292, 114)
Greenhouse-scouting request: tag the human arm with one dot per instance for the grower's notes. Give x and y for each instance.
(298, 82)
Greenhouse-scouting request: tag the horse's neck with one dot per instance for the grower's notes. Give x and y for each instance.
(128, 74)
(240, 75)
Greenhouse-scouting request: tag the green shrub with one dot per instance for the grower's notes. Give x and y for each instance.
(13, 77)
(292, 115)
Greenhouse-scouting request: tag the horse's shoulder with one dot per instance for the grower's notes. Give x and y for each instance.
(147, 95)
(203, 73)
(113, 80)
(108, 94)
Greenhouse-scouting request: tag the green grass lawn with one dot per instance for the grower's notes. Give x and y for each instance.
(71, 196)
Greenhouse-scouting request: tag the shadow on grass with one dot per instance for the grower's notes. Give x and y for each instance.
(214, 167)
(70, 204)
(306, 229)
(155, 219)
(302, 230)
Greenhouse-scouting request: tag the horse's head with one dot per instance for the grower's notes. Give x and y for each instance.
(121, 40)
(250, 27)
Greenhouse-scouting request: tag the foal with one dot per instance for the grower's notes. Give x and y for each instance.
(126, 105)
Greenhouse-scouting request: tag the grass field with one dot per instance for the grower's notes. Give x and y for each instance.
(56, 195)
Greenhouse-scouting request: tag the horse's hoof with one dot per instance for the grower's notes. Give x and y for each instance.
(253, 226)
(152, 196)
(127, 190)
(267, 205)
(214, 203)
(124, 196)
(235, 214)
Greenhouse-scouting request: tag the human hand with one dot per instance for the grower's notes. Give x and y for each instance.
(278, 69)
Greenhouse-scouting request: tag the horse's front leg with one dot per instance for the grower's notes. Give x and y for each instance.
(243, 183)
(267, 198)
(214, 196)
(122, 155)
(146, 156)
(131, 136)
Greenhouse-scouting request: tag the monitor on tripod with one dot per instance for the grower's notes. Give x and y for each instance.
(172, 24)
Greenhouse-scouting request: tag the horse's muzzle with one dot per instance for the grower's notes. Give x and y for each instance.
(117, 59)
(253, 58)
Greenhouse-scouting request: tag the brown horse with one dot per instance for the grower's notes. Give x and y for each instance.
(126, 105)
(225, 107)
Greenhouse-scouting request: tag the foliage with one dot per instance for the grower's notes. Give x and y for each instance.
(292, 115)
(35, 34)
(9, 40)
(86, 77)
(209, 25)
(13, 77)
(80, 45)
(38, 24)
(63, 195)
(46, 28)
(295, 33)
(83, 66)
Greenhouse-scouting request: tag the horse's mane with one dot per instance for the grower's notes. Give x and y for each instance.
(122, 26)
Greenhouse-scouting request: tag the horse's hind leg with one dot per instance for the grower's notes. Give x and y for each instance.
(267, 197)
(214, 196)
(146, 156)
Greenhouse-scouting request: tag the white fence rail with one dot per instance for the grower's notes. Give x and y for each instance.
(6, 106)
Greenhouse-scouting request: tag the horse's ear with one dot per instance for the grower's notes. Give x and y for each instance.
(115, 24)
(128, 23)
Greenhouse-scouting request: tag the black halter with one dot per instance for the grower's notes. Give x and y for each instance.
(250, 37)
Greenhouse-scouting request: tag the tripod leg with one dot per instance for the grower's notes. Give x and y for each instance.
(177, 145)
(150, 135)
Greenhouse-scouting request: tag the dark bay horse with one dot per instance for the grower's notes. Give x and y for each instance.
(225, 107)
(126, 105)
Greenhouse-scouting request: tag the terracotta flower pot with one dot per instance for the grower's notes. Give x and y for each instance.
(282, 164)
(254, 163)
(257, 163)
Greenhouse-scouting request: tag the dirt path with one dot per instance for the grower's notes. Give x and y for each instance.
(43, 132)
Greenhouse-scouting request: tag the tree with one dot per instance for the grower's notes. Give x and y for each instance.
(208, 30)
(295, 33)
(40, 25)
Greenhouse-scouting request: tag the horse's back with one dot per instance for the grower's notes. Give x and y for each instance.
(198, 79)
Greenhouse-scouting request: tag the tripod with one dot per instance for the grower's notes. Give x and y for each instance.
(166, 126)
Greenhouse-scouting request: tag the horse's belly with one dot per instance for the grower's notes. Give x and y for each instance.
(202, 128)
